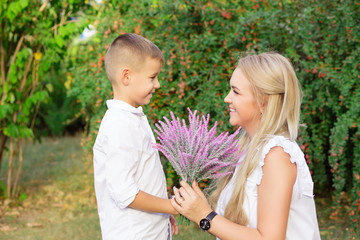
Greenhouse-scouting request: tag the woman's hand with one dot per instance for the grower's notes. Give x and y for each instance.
(191, 202)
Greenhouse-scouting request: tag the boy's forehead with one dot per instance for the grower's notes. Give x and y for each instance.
(152, 61)
(148, 64)
(154, 64)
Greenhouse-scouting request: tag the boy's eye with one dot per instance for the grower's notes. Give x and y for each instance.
(236, 92)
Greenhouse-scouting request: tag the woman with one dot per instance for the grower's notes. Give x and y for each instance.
(270, 194)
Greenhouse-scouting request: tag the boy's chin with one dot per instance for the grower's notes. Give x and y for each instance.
(146, 102)
(148, 99)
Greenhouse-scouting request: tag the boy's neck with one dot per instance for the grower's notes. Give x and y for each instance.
(120, 98)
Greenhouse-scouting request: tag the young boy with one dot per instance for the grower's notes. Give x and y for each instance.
(129, 179)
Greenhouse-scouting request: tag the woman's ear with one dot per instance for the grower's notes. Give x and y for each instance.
(263, 103)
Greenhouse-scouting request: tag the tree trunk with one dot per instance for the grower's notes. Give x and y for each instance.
(19, 168)
(3, 141)
(9, 171)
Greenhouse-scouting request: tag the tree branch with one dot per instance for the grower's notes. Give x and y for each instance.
(3, 77)
(9, 170)
(2, 146)
(11, 45)
(18, 46)
(19, 169)
(43, 6)
(64, 23)
(27, 69)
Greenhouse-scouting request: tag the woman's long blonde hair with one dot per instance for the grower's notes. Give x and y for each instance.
(275, 86)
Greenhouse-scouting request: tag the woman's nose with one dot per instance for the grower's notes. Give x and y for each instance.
(227, 99)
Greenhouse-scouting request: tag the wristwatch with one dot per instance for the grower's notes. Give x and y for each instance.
(205, 222)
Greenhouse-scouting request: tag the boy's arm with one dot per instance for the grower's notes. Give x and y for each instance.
(150, 203)
(124, 146)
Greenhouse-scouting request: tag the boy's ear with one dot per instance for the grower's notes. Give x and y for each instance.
(125, 76)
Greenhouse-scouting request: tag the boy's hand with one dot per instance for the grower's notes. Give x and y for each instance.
(174, 226)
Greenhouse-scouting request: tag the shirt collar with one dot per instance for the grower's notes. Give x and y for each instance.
(113, 103)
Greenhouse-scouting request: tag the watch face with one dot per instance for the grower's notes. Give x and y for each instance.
(204, 224)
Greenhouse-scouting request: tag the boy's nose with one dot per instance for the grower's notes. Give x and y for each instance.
(156, 83)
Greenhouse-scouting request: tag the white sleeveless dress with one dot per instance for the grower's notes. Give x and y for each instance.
(302, 221)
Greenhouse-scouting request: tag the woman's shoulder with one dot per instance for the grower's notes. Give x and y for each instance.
(288, 146)
(279, 144)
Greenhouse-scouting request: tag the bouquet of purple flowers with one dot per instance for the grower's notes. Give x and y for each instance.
(194, 151)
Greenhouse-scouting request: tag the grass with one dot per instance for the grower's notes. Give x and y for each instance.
(60, 200)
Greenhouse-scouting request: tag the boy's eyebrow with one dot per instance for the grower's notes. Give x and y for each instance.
(154, 74)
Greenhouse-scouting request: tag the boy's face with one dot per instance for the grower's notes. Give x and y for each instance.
(143, 82)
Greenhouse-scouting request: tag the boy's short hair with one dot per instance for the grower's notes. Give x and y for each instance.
(130, 50)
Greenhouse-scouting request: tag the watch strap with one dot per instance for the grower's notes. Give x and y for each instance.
(211, 215)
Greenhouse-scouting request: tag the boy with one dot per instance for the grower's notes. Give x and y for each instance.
(129, 179)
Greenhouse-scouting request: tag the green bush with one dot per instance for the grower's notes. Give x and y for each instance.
(202, 41)
(60, 114)
(34, 40)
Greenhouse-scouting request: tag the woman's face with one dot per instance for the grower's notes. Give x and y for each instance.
(244, 109)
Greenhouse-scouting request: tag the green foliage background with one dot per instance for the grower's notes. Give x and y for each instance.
(34, 40)
(202, 40)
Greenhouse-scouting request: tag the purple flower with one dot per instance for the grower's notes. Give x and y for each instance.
(194, 151)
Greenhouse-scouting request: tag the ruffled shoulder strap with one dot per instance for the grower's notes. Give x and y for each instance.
(296, 156)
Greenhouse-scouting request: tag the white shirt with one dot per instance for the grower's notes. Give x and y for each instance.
(302, 221)
(124, 163)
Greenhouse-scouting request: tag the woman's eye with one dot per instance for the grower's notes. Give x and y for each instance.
(236, 92)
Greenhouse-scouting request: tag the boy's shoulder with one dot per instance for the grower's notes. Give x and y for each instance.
(120, 119)
(121, 128)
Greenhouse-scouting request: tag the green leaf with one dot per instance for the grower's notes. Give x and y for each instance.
(11, 97)
(22, 197)
(4, 110)
(15, 8)
(25, 132)
(12, 75)
(63, 31)
(70, 28)
(6, 87)
(11, 131)
(49, 87)
(59, 41)
(24, 3)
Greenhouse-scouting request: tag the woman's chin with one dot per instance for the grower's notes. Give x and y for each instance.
(233, 122)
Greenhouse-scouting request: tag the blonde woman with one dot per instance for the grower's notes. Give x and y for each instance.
(270, 194)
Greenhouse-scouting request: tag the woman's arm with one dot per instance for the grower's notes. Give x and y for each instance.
(274, 197)
(274, 193)
(194, 206)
